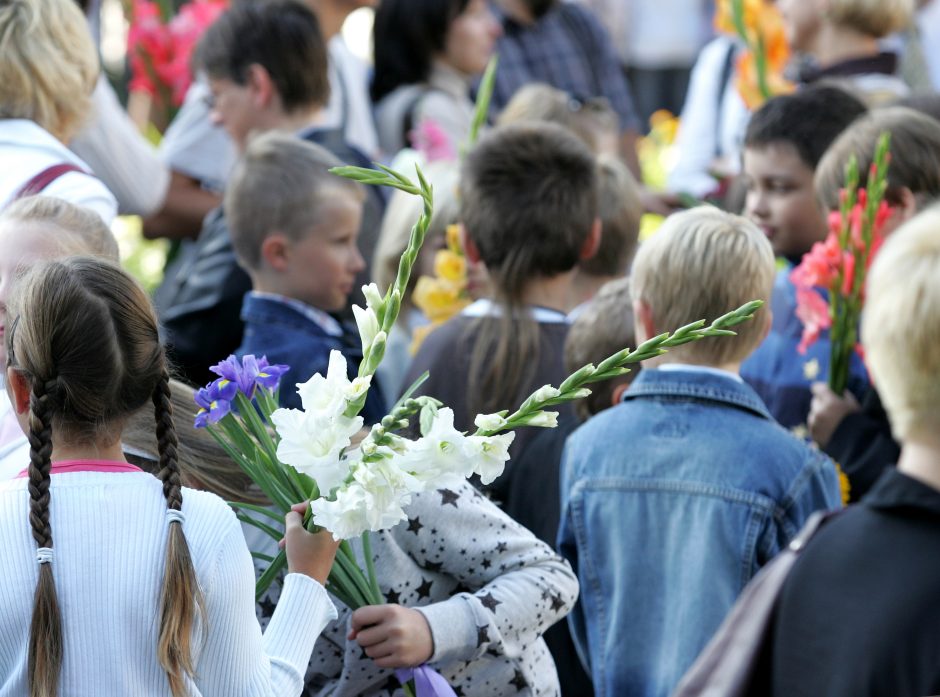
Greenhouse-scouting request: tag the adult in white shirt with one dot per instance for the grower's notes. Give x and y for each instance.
(153, 587)
(47, 74)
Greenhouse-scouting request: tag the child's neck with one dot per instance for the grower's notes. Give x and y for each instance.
(734, 367)
(554, 292)
(585, 286)
(88, 451)
(836, 44)
(920, 459)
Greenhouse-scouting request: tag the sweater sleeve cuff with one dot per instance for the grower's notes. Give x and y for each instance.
(453, 629)
(302, 611)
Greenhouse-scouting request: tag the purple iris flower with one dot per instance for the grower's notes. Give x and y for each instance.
(264, 374)
(231, 371)
(244, 375)
(213, 406)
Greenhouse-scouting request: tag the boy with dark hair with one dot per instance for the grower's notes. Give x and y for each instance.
(267, 68)
(785, 140)
(528, 211)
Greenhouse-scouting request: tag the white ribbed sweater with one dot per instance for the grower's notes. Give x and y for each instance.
(109, 537)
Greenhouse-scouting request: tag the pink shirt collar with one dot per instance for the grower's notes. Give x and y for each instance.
(68, 466)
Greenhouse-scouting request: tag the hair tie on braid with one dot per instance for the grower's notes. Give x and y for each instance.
(44, 555)
(174, 516)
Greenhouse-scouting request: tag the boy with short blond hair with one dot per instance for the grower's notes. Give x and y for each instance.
(294, 227)
(673, 499)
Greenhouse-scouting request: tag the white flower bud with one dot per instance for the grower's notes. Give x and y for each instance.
(545, 393)
(374, 300)
(489, 422)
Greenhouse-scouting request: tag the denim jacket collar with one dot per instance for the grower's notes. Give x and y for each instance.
(696, 385)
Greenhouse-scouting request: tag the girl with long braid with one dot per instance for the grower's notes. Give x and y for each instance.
(140, 586)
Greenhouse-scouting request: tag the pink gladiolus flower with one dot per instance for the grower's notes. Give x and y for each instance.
(819, 265)
(881, 217)
(813, 312)
(160, 53)
(848, 272)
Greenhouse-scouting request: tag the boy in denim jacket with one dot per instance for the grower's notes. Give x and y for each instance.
(294, 228)
(672, 500)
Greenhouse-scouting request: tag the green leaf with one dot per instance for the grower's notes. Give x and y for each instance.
(270, 574)
(275, 535)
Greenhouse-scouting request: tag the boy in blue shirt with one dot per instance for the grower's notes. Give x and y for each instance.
(294, 227)
(785, 140)
(672, 500)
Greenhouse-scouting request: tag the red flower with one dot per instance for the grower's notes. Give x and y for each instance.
(160, 53)
(819, 265)
(813, 312)
(848, 272)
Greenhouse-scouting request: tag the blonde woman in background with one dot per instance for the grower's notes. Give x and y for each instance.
(47, 75)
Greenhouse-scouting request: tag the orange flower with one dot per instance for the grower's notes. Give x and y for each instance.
(764, 35)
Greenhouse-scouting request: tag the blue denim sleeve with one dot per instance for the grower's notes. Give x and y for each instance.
(567, 547)
(816, 488)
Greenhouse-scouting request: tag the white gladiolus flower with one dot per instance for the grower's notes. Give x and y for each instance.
(346, 516)
(390, 488)
(489, 422)
(374, 500)
(373, 297)
(327, 396)
(545, 393)
(489, 455)
(368, 325)
(439, 455)
(545, 419)
(312, 444)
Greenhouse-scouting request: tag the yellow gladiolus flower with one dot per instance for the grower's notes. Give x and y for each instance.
(438, 299)
(453, 238)
(450, 266)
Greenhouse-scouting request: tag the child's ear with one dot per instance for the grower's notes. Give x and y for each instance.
(616, 396)
(904, 207)
(19, 389)
(469, 246)
(643, 321)
(592, 242)
(261, 85)
(275, 251)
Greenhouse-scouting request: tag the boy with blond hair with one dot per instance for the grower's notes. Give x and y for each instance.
(294, 228)
(672, 500)
(858, 614)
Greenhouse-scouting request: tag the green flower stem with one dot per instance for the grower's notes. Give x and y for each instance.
(271, 573)
(845, 311)
(387, 314)
(573, 387)
(481, 109)
(377, 598)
